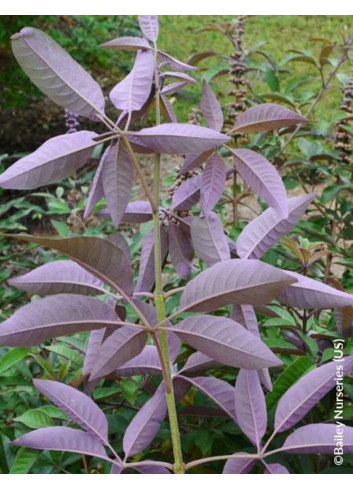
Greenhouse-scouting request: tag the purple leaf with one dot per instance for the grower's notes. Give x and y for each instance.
(146, 423)
(62, 439)
(241, 465)
(147, 362)
(198, 362)
(55, 160)
(127, 44)
(59, 277)
(266, 117)
(151, 315)
(217, 390)
(193, 161)
(234, 282)
(79, 407)
(225, 341)
(311, 294)
(56, 74)
(146, 272)
(94, 342)
(131, 93)
(175, 138)
(96, 191)
(268, 228)
(250, 406)
(275, 469)
(209, 240)
(178, 76)
(120, 347)
(151, 468)
(262, 178)
(149, 26)
(211, 108)
(212, 183)
(173, 88)
(97, 255)
(187, 194)
(136, 212)
(167, 109)
(180, 249)
(117, 179)
(319, 438)
(57, 315)
(244, 314)
(174, 63)
(297, 401)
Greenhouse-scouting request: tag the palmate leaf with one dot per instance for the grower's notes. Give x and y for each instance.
(311, 294)
(79, 407)
(234, 282)
(241, 465)
(193, 161)
(117, 181)
(269, 227)
(297, 401)
(56, 74)
(180, 249)
(250, 406)
(146, 423)
(225, 341)
(146, 272)
(167, 109)
(262, 178)
(63, 439)
(275, 469)
(99, 256)
(198, 362)
(211, 108)
(266, 117)
(149, 26)
(55, 160)
(59, 277)
(136, 212)
(133, 91)
(187, 194)
(219, 391)
(176, 138)
(94, 342)
(209, 240)
(120, 347)
(174, 63)
(96, 192)
(318, 438)
(173, 88)
(53, 316)
(212, 183)
(128, 44)
(147, 362)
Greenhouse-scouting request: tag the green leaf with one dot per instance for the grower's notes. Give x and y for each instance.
(331, 192)
(61, 227)
(35, 418)
(130, 390)
(12, 357)
(65, 352)
(24, 461)
(272, 80)
(287, 378)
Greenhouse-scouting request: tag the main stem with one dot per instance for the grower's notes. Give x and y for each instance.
(160, 304)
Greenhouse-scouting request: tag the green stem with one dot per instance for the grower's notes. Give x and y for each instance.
(160, 304)
(3, 462)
